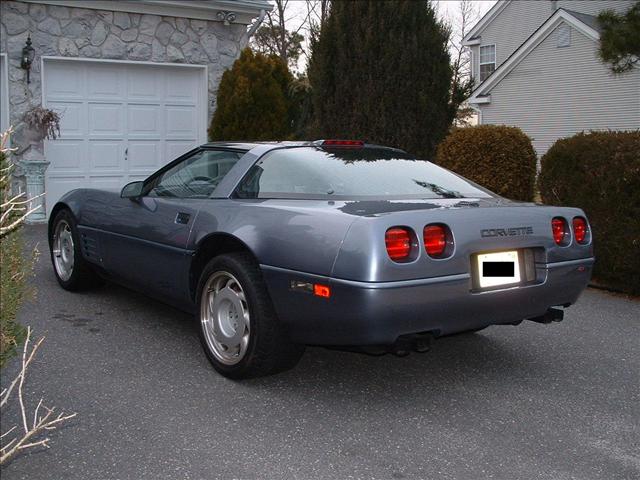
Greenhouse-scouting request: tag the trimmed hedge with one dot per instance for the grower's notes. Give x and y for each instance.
(497, 157)
(600, 173)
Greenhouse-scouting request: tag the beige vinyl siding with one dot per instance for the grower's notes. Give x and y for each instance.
(593, 7)
(520, 18)
(512, 27)
(557, 92)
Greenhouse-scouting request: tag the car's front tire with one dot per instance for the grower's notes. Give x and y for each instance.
(238, 327)
(72, 271)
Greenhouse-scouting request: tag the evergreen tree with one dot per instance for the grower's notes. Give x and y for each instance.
(380, 71)
(620, 39)
(253, 100)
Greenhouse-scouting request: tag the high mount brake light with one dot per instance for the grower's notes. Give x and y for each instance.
(398, 242)
(435, 240)
(342, 143)
(559, 229)
(580, 230)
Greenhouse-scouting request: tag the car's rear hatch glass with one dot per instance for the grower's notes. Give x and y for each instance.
(358, 173)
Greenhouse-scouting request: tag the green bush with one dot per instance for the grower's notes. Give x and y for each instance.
(497, 157)
(13, 270)
(600, 173)
(253, 100)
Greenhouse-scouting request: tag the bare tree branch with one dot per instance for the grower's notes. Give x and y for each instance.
(40, 424)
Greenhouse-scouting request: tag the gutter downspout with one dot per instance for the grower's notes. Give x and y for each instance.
(257, 23)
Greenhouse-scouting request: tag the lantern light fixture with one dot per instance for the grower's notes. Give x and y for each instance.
(28, 54)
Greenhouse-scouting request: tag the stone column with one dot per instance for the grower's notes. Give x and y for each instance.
(33, 165)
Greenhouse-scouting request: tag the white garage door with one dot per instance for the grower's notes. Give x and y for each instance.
(120, 121)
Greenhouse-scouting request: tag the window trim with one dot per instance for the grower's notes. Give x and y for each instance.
(149, 181)
(480, 62)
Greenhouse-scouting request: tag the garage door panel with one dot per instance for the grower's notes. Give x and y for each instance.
(145, 156)
(73, 123)
(182, 86)
(144, 83)
(105, 82)
(136, 177)
(144, 121)
(56, 187)
(106, 120)
(181, 122)
(176, 148)
(64, 81)
(66, 156)
(115, 182)
(106, 156)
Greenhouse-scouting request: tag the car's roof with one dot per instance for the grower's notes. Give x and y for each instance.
(250, 145)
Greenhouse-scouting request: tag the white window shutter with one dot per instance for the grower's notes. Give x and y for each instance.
(564, 35)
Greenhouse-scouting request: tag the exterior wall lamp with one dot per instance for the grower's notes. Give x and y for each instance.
(28, 53)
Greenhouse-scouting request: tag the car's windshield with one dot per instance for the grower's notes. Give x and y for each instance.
(317, 173)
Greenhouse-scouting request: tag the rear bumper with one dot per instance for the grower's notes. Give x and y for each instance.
(365, 313)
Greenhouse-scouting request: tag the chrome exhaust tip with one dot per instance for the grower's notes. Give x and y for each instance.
(551, 315)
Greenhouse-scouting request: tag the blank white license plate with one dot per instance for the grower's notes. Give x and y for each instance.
(500, 268)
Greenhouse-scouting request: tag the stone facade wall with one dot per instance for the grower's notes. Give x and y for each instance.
(87, 33)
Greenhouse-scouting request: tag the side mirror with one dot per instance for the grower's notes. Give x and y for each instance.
(132, 190)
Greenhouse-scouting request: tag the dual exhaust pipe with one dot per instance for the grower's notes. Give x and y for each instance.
(551, 315)
(403, 346)
(422, 342)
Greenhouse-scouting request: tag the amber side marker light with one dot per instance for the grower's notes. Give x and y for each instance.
(321, 290)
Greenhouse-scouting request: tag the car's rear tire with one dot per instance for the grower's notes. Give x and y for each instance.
(72, 271)
(238, 327)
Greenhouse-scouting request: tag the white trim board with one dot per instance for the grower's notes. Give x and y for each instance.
(5, 116)
(561, 16)
(245, 10)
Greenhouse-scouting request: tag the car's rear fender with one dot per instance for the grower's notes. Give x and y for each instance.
(300, 236)
(363, 255)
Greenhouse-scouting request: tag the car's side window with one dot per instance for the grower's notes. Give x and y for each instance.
(196, 176)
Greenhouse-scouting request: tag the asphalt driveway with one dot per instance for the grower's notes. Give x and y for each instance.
(536, 401)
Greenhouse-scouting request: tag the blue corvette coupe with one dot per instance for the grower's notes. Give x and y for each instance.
(275, 246)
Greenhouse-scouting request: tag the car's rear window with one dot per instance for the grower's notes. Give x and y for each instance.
(342, 174)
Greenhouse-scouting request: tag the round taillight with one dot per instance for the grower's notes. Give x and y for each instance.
(560, 230)
(435, 240)
(580, 230)
(398, 242)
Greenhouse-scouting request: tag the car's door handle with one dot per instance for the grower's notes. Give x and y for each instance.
(183, 217)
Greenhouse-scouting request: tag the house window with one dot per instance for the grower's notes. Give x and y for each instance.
(564, 35)
(487, 61)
